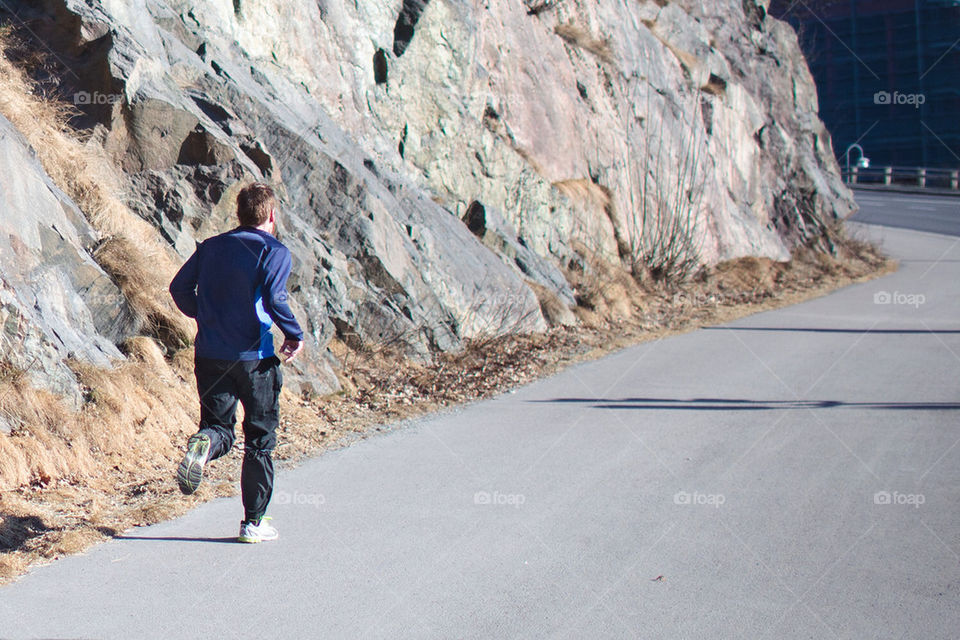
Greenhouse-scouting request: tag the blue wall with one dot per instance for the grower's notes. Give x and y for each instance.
(887, 74)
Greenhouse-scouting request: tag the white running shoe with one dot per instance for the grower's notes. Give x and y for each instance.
(190, 471)
(253, 533)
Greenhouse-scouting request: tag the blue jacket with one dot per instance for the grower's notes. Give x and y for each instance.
(235, 285)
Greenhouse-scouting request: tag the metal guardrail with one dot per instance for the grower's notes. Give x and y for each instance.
(921, 177)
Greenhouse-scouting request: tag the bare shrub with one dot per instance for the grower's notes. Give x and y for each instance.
(666, 197)
(513, 316)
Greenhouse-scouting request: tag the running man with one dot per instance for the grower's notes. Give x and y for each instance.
(235, 286)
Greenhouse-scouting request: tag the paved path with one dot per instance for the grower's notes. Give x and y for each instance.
(795, 474)
(936, 214)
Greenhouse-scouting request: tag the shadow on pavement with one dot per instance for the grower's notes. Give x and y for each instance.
(231, 540)
(926, 261)
(816, 330)
(724, 404)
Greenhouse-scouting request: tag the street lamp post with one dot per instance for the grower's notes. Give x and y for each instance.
(862, 161)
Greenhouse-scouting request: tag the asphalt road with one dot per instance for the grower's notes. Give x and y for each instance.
(795, 474)
(936, 214)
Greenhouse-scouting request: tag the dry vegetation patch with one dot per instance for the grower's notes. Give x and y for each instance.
(580, 37)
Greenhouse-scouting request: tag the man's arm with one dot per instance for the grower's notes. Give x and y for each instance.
(276, 271)
(183, 287)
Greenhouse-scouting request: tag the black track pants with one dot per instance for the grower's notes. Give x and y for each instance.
(256, 385)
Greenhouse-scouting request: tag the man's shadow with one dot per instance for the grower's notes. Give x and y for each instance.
(231, 540)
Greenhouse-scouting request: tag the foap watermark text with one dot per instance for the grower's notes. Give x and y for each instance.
(915, 100)
(86, 97)
(698, 498)
(498, 498)
(899, 298)
(297, 498)
(896, 498)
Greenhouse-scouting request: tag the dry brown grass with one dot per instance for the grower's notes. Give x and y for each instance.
(69, 477)
(140, 406)
(585, 192)
(39, 448)
(554, 309)
(582, 38)
(130, 250)
(605, 292)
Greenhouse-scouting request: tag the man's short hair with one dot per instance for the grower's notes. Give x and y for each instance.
(254, 204)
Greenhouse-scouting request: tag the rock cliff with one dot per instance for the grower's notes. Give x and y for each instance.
(438, 161)
(55, 301)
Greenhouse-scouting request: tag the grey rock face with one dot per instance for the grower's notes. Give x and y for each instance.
(5, 427)
(55, 302)
(434, 158)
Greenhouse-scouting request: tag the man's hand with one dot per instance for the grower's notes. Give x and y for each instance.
(290, 348)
